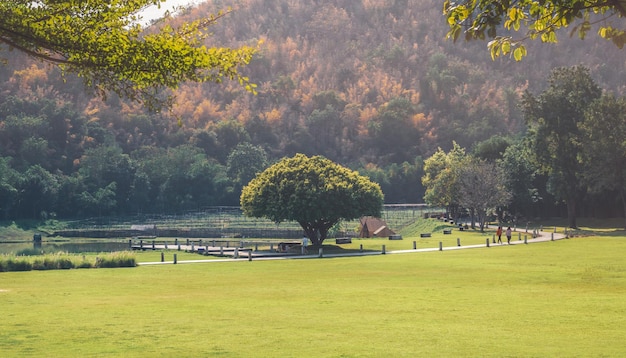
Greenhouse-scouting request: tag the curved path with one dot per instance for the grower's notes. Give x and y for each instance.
(544, 237)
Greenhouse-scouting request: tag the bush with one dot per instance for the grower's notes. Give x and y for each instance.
(117, 259)
(29, 252)
(64, 261)
(18, 264)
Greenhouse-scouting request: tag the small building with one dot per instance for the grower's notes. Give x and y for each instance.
(374, 227)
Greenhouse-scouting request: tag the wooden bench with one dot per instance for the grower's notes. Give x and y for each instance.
(425, 235)
(447, 231)
(395, 237)
(343, 240)
(288, 246)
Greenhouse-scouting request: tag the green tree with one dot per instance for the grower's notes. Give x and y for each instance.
(554, 117)
(441, 179)
(244, 163)
(103, 165)
(491, 149)
(38, 192)
(536, 19)
(604, 148)
(519, 170)
(9, 187)
(314, 191)
(393, 133)
(101, 202)
(104, 43)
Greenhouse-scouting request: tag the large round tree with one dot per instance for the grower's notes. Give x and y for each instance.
(315, 192)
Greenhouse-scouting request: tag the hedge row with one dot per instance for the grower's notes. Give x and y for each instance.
(64, 261)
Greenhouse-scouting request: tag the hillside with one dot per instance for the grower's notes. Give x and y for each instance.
(371, 84)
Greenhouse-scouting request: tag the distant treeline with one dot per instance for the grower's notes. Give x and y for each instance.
(371, 85)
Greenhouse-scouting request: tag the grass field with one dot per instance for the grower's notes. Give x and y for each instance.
(553, 299)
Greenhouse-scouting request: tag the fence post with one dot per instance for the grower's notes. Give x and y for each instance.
(187, 242)
(236, 253)
(458, 241)
(384, 250)
(256, 246)
(493, 239)
(176, 241)
(414, 245)
(165, 245)
(130, 243)
(141, 244)
(320, 253)
(221, 250)
(249, 255)
(551, 236)
(519, 236)
(441, 245)
(192, 247)
(361, 247)
(525, 239)
(162, 256)
(487, 241)
(175, 259)
(271, 247)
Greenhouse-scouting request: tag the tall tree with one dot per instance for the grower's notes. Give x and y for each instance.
(482, 189)
(315, 192)
(9, 187)
(104, 43)
(441, 179)
(540, 19)
(554, 117)
(604, 148)
(519, 170)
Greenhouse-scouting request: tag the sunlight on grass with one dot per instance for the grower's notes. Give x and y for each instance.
(562, 298)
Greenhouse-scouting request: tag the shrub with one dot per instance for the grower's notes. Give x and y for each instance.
(29, 252)
(117, 259)
(66, 261)
(18, 264)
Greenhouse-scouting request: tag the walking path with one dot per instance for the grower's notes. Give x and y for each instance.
(249, 255)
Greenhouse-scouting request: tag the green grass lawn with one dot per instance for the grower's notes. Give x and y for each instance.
(553, 299)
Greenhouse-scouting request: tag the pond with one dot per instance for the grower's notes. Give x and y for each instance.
(74, 246)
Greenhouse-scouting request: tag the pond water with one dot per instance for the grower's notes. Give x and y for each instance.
(78, 246)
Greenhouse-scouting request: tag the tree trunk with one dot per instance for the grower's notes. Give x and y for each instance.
(316, 231)
(623, 196)
(571, 213)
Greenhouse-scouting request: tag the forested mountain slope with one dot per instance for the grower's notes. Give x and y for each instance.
(371, 84)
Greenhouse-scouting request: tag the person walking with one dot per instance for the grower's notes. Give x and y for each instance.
(499, 233)
(508, 235)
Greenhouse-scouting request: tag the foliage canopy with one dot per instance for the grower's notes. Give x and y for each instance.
(541, 19)
(102, 42)
(314, 191)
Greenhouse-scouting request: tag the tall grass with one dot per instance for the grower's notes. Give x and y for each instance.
(64, 261)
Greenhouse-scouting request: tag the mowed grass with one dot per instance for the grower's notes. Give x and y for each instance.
(552, 299)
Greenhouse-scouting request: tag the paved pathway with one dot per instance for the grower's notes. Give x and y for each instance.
(544, 237)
